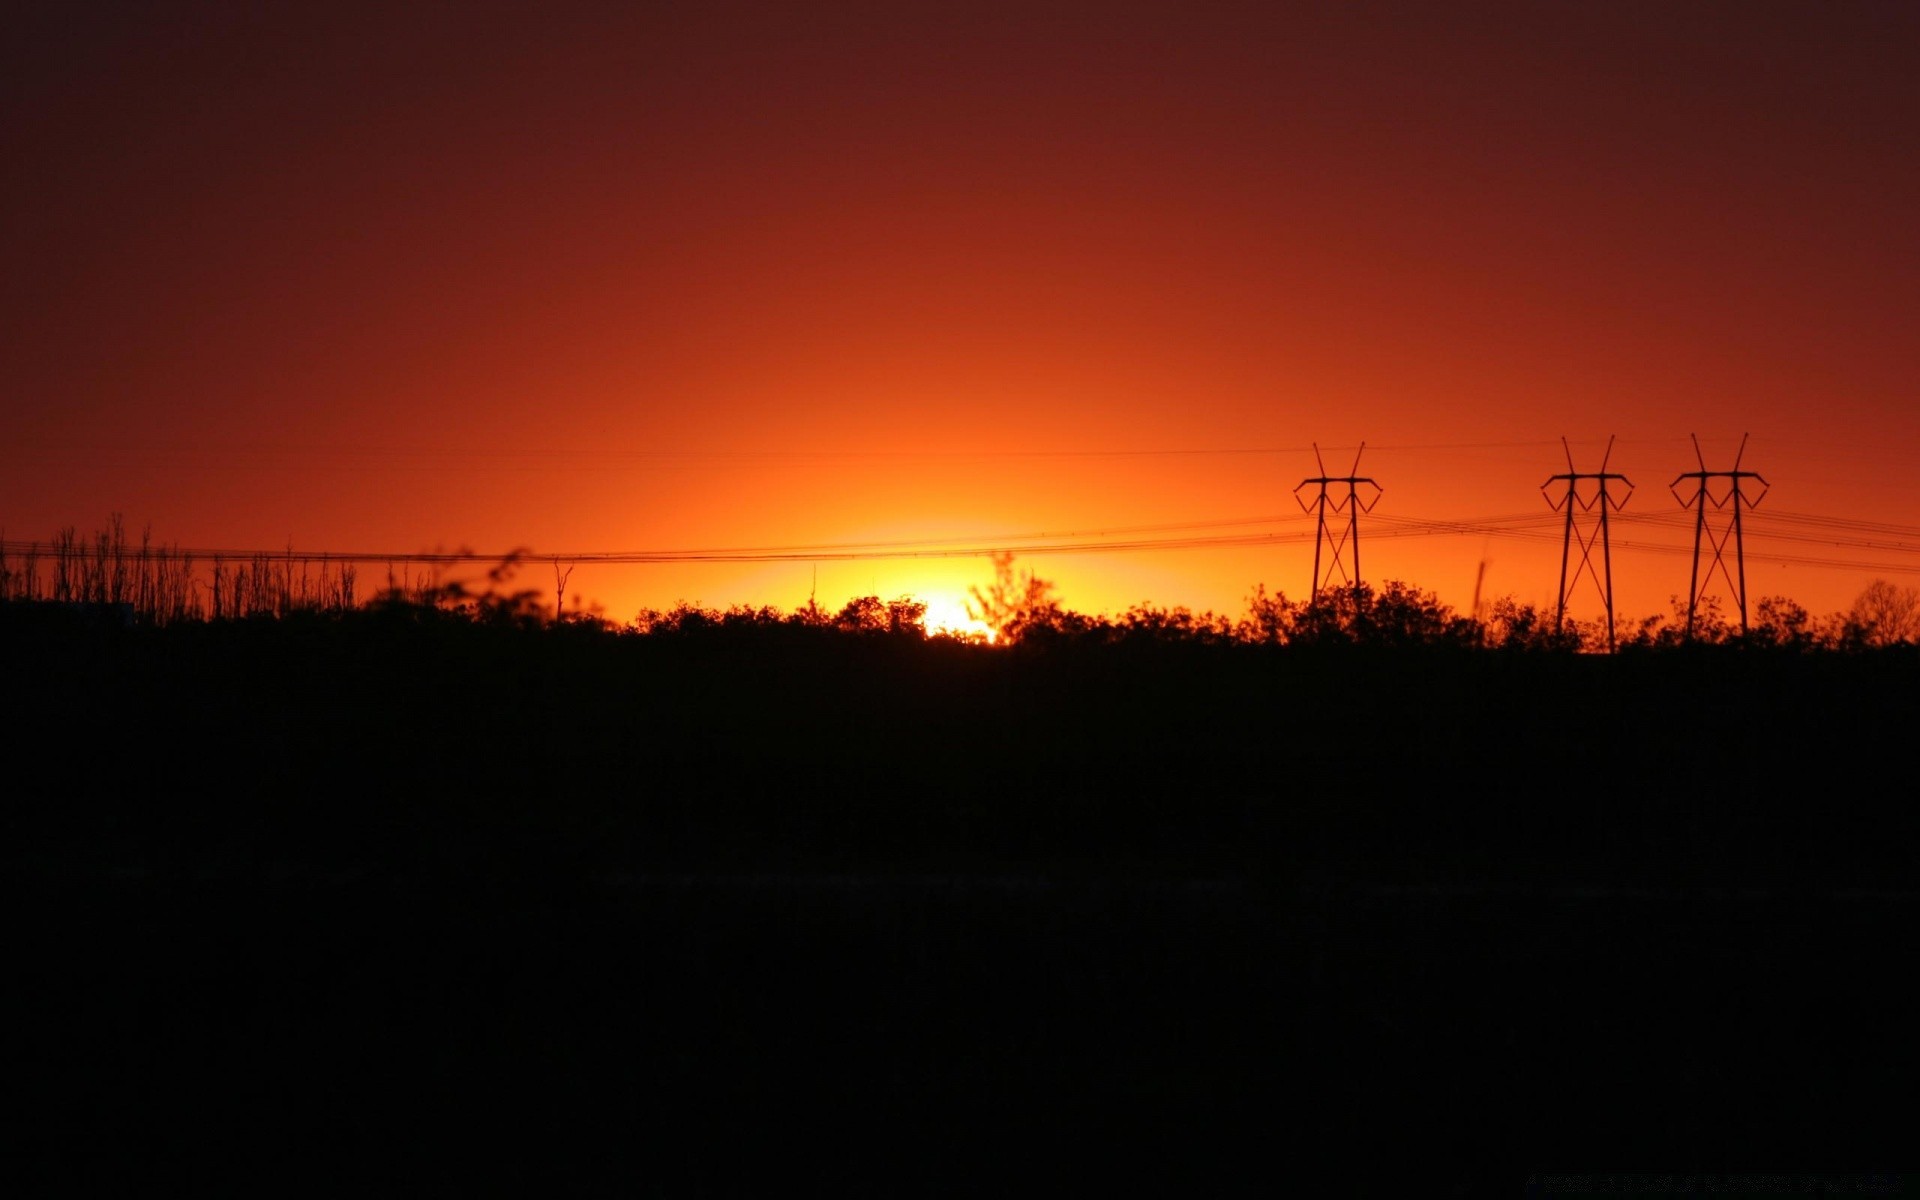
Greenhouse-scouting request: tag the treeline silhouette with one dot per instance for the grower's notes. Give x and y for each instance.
(438, 889)
(110, 577)
(1394, 615)
(850, 736)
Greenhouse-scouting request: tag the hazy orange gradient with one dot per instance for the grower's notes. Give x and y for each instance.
(584, 277)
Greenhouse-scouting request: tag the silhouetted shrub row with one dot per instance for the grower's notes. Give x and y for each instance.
(109, 579)
(1395, 615)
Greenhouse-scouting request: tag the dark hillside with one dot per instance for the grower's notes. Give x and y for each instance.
(346, 742)
(407, 900)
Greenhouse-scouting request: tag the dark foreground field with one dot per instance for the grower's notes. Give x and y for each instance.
(386, 906)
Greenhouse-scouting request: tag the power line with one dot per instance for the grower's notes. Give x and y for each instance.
(420, 453)
(1763, 528)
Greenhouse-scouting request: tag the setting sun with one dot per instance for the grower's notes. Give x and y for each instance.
(946, 615)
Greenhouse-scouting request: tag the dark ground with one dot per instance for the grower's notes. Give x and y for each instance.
(400, 908)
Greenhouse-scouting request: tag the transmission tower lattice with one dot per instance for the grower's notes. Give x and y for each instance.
(1599, 502)
(1342, 544)
(1729, 502)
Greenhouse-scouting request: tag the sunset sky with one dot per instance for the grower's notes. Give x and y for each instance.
(592, 278)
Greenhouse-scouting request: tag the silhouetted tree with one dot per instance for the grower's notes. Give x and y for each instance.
(902, 615)
(1150, 622)
(1511, 625)
(811, 614)
(1782, 624)
(908, 616)
(1269, 619)
(1016, 603)
(1398, 614)
(751, 616)
(1887, 613)
(862, 614)
(682, 618)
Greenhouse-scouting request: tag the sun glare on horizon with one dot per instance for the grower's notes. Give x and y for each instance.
(946, 615)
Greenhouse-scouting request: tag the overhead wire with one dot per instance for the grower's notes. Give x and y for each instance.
(1761, 529)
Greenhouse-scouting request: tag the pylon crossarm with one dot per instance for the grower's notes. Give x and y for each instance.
(1765, 487)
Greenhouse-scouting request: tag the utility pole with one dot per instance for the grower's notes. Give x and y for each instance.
(1342, 544)
(1601, 502)
(1731, 501)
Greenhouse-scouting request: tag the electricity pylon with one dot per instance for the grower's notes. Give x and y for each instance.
(1732, 501)
(1599, 501)
(1342, 544)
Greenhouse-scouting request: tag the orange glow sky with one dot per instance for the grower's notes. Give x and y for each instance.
(369, 277)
